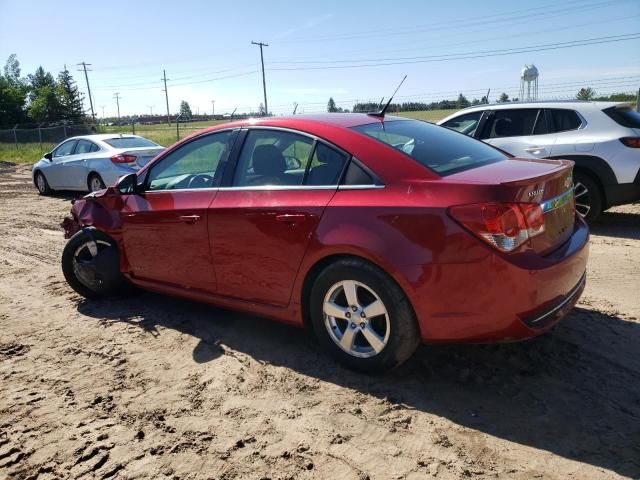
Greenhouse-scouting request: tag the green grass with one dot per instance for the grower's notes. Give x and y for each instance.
(164, 135)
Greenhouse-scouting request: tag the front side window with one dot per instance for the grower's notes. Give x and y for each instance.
(467, 123)
(511, 123)
(272, 157)
(65, 149)
(440, 149)
(193, 165)
(564, 120)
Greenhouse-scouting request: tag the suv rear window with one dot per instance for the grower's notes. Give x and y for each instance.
(130, 142)
(440, 149)
(624, 116)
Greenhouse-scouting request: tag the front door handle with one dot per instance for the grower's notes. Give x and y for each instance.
(189, 218)
(291, 217)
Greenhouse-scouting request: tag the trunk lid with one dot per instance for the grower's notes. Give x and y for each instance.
(548, 183)
(143, 155)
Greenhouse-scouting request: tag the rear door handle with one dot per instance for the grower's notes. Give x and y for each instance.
(189, 218)
(291, 217)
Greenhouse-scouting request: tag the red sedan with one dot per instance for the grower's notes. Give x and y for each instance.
(378, 233)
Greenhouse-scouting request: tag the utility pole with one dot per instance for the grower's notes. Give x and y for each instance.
(117, 97)
(213, 108)
(638, 101)
(86, 77)
(150, 107)
(166, 95)
(264, 83)
(102, 107)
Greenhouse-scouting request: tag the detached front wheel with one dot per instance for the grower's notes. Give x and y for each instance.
(363, 317)
(91, 265)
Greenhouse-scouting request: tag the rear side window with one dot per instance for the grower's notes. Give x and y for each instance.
(440, 149)
(85, 146)
(326, 166)
(564, 120)
(130, 142)
(624, 116)
(467, 123)
(511, 123)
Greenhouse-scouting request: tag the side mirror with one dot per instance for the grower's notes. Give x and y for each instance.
(48, 156)
(128, 184)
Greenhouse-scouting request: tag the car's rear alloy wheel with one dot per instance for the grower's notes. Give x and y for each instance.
(91, 265)
(588, 198)
(42, 185)
(95, 183)
(356, 319)
(362, 316)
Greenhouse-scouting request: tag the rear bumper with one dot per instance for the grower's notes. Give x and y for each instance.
(495, 300)
(623, 193)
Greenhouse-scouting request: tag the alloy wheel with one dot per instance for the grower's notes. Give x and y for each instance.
(84, 263)
(356, 319)
(582, 198)
(95, 184)
(40, 183)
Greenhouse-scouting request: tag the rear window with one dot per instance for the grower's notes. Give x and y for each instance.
(440, 149)
(130, 142)
(624, 116)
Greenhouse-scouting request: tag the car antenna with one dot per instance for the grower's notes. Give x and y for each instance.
(384, 109)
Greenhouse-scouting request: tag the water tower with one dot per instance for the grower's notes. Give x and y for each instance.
(529, 83)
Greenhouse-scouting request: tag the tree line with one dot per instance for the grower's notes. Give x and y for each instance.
(39, 97)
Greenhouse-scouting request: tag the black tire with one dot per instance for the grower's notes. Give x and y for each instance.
(104, 267)
(97, 179)
(41, 184)
(404, 335)
(589, 197)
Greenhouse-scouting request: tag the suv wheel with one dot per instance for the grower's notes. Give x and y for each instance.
(588, 197)
(362, 317)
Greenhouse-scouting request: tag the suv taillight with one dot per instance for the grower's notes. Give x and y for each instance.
(633, 142)
(120, 158)
(504, 226)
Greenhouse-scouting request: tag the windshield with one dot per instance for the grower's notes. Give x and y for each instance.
(130, 142)
(438, 148)
(624, 116)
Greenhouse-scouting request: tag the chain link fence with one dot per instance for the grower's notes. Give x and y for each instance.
(42, 137)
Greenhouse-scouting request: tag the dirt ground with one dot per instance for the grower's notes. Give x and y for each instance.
(161, 388)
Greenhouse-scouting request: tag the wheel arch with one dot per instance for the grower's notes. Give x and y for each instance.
(93, 172)
(596, 168)
(314, 270)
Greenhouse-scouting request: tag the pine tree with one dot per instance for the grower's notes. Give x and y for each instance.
(13, 94)
(44, 105)
(331, 106)
(185, 110)
(71, 100)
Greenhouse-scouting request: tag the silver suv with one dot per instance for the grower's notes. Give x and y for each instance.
(602, 138)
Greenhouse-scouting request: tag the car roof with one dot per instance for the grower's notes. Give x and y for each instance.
(575, 104)
(103, 136)
(344, 120)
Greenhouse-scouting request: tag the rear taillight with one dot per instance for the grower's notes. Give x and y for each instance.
(632, 142)
(505, 226)
(120, 158)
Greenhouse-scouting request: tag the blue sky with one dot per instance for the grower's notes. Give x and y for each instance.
(316, 50)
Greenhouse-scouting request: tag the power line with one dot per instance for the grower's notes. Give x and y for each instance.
(264, 83)
(470, 55)
(86, 77)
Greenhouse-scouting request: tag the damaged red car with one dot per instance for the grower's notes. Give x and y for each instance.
(379, 233)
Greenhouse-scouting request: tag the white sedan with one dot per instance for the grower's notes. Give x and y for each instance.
(91, 162)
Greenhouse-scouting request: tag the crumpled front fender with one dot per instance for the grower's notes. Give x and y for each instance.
(100, 210)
